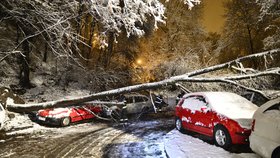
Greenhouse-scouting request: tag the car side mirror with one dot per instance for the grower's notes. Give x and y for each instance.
(205, 109)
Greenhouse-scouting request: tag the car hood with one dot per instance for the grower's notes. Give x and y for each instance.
(57, 112)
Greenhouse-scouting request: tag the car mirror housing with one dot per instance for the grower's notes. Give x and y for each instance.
(205, 109)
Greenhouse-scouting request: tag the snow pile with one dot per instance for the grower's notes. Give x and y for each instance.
(178, 145)
(21, 124)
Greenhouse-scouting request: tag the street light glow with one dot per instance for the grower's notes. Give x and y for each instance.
(139, 61)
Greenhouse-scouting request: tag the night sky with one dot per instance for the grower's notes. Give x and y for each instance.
(213, 12)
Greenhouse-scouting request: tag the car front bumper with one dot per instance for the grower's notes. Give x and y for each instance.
(49, 120)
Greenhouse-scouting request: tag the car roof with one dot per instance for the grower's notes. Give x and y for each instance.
(210, 93)
(229, 104)
(267, 105)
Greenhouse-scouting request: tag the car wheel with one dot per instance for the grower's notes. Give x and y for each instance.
(65, 121)
(222, 137)
(178, 124)
(145, 109)
(276, 153)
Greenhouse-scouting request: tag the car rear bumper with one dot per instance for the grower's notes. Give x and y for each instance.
(261, 145)
(49, 120)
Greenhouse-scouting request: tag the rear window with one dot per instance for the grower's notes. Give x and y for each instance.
(129, 100)
(273, 112)
(274, 107)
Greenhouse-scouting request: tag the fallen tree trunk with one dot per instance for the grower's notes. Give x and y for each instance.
(188, 77)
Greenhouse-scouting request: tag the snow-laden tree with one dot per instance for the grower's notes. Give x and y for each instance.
(270, 13)
(243, 32)
(116, 15)
(54, 23)
(129, 17)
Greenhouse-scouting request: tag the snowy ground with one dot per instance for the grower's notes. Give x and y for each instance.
(90, 139)
(178, 145)
(144, 139)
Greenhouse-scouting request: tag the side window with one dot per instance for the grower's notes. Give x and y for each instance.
(138, 99)
(129, 100)
(194, 103)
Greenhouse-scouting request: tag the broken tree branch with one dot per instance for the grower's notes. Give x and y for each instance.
(170, 81)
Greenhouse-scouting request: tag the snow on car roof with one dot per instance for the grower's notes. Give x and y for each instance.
(229, 104)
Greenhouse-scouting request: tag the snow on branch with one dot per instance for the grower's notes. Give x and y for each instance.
(189, 77)
(130, 15)
(228, 64)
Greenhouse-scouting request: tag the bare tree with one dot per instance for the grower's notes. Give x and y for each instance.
(188, 77)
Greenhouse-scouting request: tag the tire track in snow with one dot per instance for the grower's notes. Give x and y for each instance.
(81, 142)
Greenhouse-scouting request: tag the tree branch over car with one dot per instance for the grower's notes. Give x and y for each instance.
(188, 77)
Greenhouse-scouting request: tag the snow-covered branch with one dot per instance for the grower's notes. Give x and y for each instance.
(228, 64)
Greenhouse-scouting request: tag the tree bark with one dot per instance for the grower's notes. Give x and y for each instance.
(45, 53)
(109, 51)
(24, 59)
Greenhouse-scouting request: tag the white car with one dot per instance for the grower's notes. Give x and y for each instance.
(137, 103)
(2, 116)
(265, 136)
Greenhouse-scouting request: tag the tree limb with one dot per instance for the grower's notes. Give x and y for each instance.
(170, 81)
(228, 64)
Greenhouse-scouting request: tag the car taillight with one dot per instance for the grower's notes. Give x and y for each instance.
(253, 125)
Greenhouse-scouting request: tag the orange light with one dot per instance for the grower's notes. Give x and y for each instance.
(139, 61)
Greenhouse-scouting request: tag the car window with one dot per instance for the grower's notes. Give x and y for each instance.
(274, 107)
(138, 99)
(129, 100)
(194, 103)
(1, 108)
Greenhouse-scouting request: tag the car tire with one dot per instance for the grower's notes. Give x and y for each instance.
(65, 121)
(222, 137)
(276, 153)
(178, 125)
(145, 109)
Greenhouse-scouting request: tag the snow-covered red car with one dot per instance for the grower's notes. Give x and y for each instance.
(225, 117)
(265, 136)
(67, 115)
